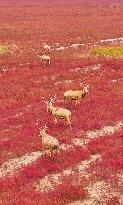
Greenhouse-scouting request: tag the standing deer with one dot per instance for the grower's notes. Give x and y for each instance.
(77, 94)
(59, 113)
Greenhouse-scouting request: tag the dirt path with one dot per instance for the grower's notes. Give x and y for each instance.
(48, 181)
(99, 193)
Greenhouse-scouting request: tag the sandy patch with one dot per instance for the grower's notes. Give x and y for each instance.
(76, 45)
(61, 48)
(107, 130)
(112, 40)
(117, 80)
(8, 168)
(88, 68)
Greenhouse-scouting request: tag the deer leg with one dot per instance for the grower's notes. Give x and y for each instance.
(43, 63)
(55, 120)
(76, 102)
(69, 122)
(49, 61)
(51, 152)
(79, 100)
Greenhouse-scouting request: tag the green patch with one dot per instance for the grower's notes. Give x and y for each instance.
(3, 49)
(108, 51)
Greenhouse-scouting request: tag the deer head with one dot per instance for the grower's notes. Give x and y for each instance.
(42, 130)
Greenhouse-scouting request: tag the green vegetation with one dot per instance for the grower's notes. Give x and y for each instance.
(3, 49)
(108, 51)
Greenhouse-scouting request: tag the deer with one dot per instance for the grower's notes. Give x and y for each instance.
(49, 142)
(45, 59)
(76, 95)
(59, 113)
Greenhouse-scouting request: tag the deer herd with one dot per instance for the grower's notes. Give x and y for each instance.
(45, 58)
(49, 142)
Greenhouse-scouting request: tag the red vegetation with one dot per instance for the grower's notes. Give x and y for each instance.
(63, 193)
(106, 143)
(26, 86)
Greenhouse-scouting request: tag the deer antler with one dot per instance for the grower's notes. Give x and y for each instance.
(52, 98)
(45, 127)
